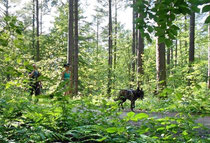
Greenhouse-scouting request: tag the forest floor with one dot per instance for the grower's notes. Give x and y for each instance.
(205, 120)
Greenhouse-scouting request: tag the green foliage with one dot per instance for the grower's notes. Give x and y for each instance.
(85, 120)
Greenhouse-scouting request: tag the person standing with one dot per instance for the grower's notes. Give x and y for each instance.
(35, 84)
(66, 77)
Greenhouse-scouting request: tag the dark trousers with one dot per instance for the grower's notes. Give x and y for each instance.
(35, 88)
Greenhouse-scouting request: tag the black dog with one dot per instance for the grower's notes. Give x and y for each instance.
(131, 94)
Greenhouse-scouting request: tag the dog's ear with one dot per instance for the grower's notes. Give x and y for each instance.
(141, 89)
(137, 88)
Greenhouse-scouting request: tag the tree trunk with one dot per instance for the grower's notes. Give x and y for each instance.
(110, 49)
(133, 47)
(37, 31)
(168, 61)
(209, 56)
(140, 52)
(185, 43)
(7, 8)
(176, 48)
(41, 15)
(160, 65)
(172, 57)
(181, 56)
(168, 56)
(192, 44)
(70, 42)
(76, 50)
(115, 39)
(192, 38)
(33, 34)
(97, 37)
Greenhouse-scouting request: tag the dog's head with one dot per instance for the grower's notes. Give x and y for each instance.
(140, 93)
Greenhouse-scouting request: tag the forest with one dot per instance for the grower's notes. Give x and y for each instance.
(68, 67)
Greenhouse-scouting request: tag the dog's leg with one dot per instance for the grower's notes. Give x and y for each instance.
(121, 103)
(132, 105)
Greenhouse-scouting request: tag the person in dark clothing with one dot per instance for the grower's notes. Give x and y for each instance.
(35, 84)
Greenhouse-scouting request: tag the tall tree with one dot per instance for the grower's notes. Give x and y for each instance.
(37, 31)
(209, 55)
(176, 52)
(110, 49)
(133, 43)
(41, 16)
(115, 38)
(192, 42)
(185, 43)
(172, 56)
(140, 52)
(98, 18)
(168, 56)
(76, 49)
(33, 29)
(160, 65)
(7, 7)
(70, 42)
(192, 38)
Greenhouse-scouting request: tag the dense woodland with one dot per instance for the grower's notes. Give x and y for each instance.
(166, 53)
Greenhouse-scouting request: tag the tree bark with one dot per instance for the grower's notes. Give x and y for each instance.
(37, 31)
(76, 50)
(185, 43)
(181, 56)
(70, 42)
(7, 8)
(97, 37)
(209, 55)
(110, 49)
(176, 48)
(41, 15)
(168, 56)
(115, 39)
(192, 38)
(160, 65)
(133, 46)
(192, 44)
(172, 57)
(140, 52)
(33, 28)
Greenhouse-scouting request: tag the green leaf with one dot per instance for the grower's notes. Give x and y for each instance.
(195, 9)
(150, 29)
(168, 42)
(207, 20)
(18, 31)
(197, 2)
(102, 139)
(18, 60)
(206, 8)
(161, 40)
(201, 2)
(7, 59)
(130, 114)
(141, 116)
(143, 131)
(112, 130)
(161, 128)
(185, 133)
(1, 50)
